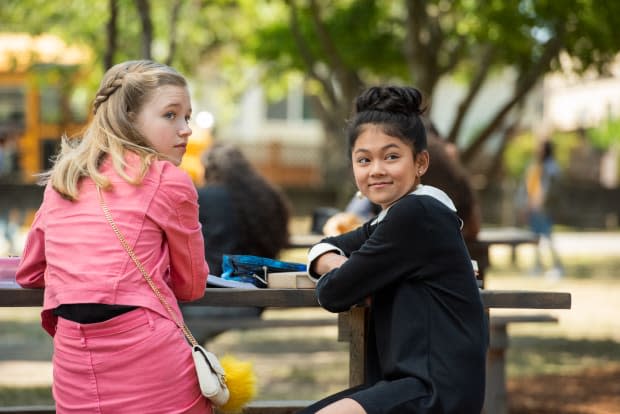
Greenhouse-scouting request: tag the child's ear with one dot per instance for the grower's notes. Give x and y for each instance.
(422, 160)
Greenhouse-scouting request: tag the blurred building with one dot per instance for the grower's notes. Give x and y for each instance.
(282, 137)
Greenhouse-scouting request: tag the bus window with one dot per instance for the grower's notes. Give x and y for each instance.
(79, 104)
(50, 109)
(12, 104)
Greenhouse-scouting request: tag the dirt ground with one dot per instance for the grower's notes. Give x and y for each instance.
(594, 391)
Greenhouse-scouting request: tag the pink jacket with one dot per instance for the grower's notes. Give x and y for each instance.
(73, 253)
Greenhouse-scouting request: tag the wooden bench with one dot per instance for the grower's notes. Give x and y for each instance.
(28, 409)
(256, 407)
(207, 328)
(496, 398)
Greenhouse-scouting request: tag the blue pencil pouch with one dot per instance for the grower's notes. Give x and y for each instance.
(254, 269)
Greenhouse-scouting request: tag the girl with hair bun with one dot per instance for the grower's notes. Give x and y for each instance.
(426, 343)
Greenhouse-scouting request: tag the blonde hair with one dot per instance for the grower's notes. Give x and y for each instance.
(122, 94)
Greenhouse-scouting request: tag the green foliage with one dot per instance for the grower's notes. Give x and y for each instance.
(348, 23)
(364, 42)
(564, 143)
(518, 154)
(606, 134)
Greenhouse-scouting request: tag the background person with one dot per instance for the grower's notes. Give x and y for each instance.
(538, 181)
(115, 347)
(240, 211)
(426, 343)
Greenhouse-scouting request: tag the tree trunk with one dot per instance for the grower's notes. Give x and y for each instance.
(111, 33)
(335, 168)
(339, 87)
(172, 43)
(474, 87)
(144, 11)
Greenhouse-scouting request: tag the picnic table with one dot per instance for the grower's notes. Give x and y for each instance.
(512, 237)
(351, 324)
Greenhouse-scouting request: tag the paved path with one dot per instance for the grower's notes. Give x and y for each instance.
(591, 243)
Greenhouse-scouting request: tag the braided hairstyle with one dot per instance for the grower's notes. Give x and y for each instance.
(123, 91)
(397, 110)
(261, 210)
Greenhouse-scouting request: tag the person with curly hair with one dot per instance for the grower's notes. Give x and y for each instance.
(240, 211)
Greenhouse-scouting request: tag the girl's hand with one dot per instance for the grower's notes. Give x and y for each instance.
(327, 262)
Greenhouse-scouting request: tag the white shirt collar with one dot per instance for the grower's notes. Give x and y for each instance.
(427, 190)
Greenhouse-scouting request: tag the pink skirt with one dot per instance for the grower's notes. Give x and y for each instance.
(138, 362)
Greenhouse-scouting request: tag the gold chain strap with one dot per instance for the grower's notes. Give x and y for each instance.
(148, 279)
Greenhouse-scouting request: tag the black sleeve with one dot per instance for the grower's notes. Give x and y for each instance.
(219, 228)
(395, 249)
(351, 241)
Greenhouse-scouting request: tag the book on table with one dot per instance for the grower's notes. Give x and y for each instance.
(290, 280)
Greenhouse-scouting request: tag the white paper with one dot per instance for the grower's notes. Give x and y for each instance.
(216, 281)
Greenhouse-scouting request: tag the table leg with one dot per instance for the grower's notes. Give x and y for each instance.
(352, 328)
(495, 398)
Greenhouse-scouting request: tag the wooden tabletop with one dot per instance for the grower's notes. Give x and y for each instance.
(291, 298)
(507, 235)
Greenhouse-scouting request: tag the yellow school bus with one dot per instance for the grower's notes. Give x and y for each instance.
(39, 101)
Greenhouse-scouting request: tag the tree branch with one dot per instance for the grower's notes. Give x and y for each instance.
(348, 80)
(508, 134)
(523, 85)
(423, 41)
(474, 88)
(308, 57)
(454, 56)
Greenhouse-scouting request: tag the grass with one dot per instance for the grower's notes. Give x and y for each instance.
(307, 363)
(14, 396)
(532, 355)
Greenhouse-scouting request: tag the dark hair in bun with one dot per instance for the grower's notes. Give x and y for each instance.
(396, 109)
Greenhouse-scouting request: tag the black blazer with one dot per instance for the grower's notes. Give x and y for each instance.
(427, 335)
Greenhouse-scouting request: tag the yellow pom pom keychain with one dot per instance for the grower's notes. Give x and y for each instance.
(241, 383)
